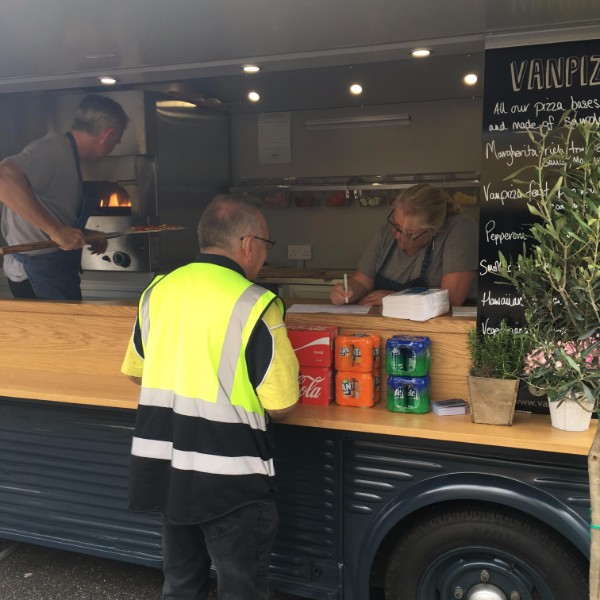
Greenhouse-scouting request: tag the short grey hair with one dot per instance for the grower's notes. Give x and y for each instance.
(97, 113)
(227, 219)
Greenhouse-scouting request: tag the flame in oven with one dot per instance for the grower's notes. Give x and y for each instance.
(114, 201)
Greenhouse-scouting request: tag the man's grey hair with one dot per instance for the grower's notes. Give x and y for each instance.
(227, 219)
(96, 114)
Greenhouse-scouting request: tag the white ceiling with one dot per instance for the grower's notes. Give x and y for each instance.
(310, 50)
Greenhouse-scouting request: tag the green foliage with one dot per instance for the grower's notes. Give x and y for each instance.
(500, 355)
(558, 275)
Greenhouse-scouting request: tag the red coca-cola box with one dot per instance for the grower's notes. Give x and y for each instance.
(313, 344)
(316, 385)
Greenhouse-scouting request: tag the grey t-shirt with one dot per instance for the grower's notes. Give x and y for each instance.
(49, 165)
(455, 249)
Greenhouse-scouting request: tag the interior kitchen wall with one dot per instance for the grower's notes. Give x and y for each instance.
(22, 119)
(441, 137)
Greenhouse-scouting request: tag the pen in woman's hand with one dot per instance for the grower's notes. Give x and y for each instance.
(346, 287)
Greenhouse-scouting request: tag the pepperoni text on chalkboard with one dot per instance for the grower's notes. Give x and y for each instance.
(502, 236)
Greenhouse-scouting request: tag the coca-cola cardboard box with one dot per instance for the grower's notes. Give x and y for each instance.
(313, 344)
(316, 385)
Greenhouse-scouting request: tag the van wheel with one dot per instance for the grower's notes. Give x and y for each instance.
(473, 554)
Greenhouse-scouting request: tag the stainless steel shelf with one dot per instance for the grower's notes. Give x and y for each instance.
(362, 183)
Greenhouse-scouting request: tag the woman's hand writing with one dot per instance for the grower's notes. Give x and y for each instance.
(375, 298)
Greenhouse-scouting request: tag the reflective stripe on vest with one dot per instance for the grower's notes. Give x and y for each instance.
(204, 463)
(221, 412)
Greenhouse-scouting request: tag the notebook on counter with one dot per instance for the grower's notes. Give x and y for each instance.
(464, 311)
(453, 406)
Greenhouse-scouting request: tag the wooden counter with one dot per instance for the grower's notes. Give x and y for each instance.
(72, 352)
(66, 351)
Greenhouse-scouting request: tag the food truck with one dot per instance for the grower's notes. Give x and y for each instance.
(370, 500)
(373, 503)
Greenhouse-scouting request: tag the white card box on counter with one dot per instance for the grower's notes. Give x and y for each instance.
(416, 304)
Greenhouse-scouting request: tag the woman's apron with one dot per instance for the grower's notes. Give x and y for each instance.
(383, 283)
(56, 275)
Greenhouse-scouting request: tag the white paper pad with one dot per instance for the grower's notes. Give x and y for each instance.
(349, 309)
(417, 304)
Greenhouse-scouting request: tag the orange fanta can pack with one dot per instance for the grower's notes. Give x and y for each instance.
(353, 388)
(358, 352)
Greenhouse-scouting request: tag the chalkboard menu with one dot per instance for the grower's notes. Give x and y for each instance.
(525, 88)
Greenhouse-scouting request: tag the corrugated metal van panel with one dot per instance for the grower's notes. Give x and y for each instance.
(64, 477)
(63, 481)
(308, 465)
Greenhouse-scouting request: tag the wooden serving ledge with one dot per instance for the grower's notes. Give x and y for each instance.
(71, 352)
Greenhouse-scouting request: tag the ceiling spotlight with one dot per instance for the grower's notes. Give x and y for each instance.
(470, 79)
(107, 80)
(420, 52)
(175, 104)
(250, 68)
(253, 96)
(356, 89)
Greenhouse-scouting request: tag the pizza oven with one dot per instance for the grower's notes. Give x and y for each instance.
(122, 191)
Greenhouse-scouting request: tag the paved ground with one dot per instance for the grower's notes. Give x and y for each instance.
(30, 572)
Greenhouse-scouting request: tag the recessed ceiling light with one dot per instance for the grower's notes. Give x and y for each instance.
(175, 104)
(253, 96)
(107, 80)
(420, 52)
(470, 79)
(356, 89)
(250, 68)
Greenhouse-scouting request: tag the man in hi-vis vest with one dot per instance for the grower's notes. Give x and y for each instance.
(211, 353)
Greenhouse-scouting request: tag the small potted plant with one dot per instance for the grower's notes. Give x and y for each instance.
(497, 363)
(562, 370)
(558, 275)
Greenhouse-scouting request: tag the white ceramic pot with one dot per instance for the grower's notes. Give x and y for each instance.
(570, 415)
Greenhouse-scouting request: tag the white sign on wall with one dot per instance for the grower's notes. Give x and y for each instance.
(274, 138)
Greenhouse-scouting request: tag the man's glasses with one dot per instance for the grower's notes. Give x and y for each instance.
(269, 243)
(406, 236)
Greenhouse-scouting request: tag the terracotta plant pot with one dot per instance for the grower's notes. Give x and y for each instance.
(492, 401)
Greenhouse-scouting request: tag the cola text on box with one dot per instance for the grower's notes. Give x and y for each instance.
(316, 385)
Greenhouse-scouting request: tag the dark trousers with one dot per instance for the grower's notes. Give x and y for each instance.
(22, 289)
(52, 276)
(238, 545)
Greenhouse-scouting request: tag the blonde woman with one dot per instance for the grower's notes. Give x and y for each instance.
(426, 242)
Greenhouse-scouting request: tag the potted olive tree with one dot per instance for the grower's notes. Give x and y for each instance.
(497, 362)
(558, 274)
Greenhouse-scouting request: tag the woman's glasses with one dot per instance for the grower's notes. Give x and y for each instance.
(411, 237)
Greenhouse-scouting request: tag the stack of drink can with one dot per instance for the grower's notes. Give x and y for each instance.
(407, 364)
(357, 361)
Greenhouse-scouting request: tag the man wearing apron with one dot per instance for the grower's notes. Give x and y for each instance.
(41, 193)
(426, 243)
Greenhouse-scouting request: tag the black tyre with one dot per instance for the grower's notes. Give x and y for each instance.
(483, 553)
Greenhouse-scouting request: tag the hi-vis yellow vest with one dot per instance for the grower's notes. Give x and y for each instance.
(195, 326)
(200, 447)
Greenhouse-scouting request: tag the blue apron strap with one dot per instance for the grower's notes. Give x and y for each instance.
(383, 283)
(87, 204)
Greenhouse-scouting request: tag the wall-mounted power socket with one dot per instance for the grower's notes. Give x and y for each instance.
(300, 252)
